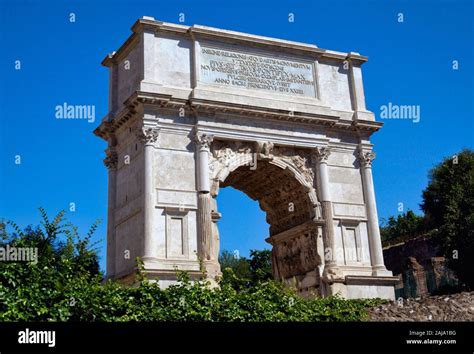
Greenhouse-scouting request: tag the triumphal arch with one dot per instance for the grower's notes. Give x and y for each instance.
(193, 109)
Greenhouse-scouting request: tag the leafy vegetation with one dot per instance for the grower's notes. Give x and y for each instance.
(246, 272)
(408, 225)
(448, 203)
(65, 285)
(448, 206)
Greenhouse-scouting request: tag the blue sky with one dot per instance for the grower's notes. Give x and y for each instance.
(410, 63)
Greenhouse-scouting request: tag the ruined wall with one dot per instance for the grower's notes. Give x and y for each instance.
(420, 266)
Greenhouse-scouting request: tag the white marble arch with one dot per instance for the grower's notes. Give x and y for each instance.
(317, 131)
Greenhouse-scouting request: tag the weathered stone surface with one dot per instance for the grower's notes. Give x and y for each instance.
(455, 307)
(284, 122)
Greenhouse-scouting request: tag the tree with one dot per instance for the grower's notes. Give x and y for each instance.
(239, 265)
(405, 225)
(261, 265)
(57, 241)
(38, 289)
(249, 271)
(448, 203)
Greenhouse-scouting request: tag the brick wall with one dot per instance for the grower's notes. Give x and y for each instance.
(420, 265)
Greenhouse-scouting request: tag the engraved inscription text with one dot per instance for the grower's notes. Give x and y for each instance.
(256, 72)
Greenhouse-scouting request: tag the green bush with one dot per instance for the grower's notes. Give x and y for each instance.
(407, 225)
(65, 285)
(246, 272)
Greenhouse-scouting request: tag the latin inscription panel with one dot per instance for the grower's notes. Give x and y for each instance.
(256, 72)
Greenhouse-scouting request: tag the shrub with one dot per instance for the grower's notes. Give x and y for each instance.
(64, 285)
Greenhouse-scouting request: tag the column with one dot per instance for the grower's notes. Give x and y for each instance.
(321, 155)
(148, 136)
(375, 242)
(205, 247)
(110, 162)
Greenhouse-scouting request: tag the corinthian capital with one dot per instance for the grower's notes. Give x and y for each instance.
(148, 135)
(366, 157)
(111, 158)
(203, 140)
(321, 154)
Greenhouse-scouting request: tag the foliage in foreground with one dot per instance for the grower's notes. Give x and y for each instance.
(64, 285)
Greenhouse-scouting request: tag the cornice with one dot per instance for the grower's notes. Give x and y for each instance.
(204, 32)
(293, 232)
(113, 57)
(194, 32)
(111, 123)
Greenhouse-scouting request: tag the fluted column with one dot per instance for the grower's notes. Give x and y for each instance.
(148, 136)
(321, 155)
(110, 162)
(375, 242)
(205, 249)
(204, 226)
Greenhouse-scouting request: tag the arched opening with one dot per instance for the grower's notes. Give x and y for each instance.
(284, 200)
(296, 241)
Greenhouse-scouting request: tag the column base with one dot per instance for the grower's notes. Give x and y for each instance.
(332, 273)
(213, 270)
(381, 271)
